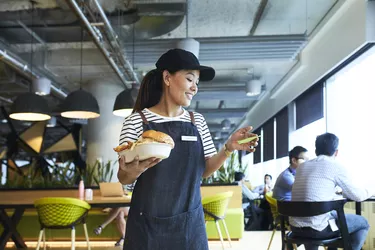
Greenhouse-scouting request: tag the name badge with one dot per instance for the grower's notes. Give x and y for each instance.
(189, 138)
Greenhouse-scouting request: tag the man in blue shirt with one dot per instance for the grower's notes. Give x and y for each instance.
(284, 183)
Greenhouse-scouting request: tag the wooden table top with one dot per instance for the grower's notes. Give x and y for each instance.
(26, 198)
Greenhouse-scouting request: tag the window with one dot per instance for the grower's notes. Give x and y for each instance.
(309, 106)
(306, 136)
(350, 113)
(268, 140)
(282, 133)
(258, 151)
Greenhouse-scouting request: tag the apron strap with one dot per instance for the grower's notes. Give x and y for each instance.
(192, 119)
(143, 117)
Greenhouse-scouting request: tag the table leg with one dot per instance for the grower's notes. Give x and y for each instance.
(10, 228)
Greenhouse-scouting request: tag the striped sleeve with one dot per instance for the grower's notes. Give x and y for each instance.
(208, 144)
(131, 129)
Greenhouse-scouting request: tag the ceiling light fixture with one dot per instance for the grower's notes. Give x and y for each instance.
(80, 104)
(41, 86)
(217, 135)
(124, 104)
(225, 124)
(52, 122)
(29, 106)
(253, 87)
(188, 44)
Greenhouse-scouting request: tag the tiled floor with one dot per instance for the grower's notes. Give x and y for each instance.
(250, 241)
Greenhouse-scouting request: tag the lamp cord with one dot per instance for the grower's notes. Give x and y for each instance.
(31, 43)
(80, 78)
(187, 18)
(133, 46)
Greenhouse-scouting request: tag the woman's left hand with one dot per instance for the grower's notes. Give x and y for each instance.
(243, 133)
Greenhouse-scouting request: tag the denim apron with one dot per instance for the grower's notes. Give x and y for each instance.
(166, 211)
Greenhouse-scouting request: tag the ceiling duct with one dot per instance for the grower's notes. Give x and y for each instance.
(245, 48)
(59, 24)
(22, 67)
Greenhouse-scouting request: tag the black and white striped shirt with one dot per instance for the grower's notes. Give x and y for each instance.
(132, 127)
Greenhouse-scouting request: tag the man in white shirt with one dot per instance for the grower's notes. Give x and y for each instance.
(316, 180)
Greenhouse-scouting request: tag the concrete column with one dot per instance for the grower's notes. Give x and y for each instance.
(104, 132)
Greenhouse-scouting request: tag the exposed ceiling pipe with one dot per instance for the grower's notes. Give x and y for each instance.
(99, 44)
(128, 67)
(7, 100)
(24, 69)
(261, 7)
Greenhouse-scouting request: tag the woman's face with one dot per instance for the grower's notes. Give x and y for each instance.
(182, 86)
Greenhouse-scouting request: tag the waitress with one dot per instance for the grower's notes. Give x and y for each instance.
(166, 211)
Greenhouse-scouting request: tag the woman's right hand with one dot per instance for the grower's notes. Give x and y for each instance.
(137, 167)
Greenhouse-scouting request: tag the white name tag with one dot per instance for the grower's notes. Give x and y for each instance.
(188, 138)
(333, 225)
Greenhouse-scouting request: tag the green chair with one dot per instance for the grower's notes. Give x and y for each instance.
(214, 208)
(61, 213)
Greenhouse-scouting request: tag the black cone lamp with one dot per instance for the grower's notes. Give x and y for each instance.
(80, 104)
(124, 104)
(30, 107)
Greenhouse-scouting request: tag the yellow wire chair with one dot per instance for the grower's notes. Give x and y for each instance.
(275, 214)
(214, 208)
(61, 213)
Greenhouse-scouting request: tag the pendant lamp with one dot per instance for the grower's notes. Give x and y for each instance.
(124, 104)
(80, 104)
(188, 44)
(29, 106)
(253, 87)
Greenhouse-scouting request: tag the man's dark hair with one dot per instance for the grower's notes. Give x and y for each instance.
(326, 144)
(294, 153)
(268, 175)
(238, 176)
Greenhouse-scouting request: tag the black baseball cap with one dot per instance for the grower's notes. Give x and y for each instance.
(179, 59)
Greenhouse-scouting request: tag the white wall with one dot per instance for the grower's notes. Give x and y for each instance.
(344, 33)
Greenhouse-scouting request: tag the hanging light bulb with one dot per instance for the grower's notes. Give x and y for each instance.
(253, 87)
(124, 104)
(41, 86)
(188, 44)
(29, 106)
(80, 104)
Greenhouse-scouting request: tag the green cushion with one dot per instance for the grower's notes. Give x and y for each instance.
(234, 219)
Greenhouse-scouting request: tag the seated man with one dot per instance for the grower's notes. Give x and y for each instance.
(316, 180)
(247, 194)
(266, 187)
(267, 219)
(283, 186)
(251, 211)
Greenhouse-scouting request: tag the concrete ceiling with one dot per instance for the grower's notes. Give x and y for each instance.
(241, 39)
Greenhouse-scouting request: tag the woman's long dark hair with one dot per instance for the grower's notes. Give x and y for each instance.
(150, 91)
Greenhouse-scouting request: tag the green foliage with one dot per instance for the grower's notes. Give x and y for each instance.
(231, 165)
(62, 175)
(98, 172)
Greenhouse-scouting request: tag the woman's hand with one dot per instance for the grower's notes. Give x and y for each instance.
(136, 167)
(243, 133)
